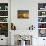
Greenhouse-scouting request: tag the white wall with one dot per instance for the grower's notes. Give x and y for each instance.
(32, 6)
(23, 24)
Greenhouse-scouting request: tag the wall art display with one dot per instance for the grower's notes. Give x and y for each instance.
(23, 14)
(42, 32)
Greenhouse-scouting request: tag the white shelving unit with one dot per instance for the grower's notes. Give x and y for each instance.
(42, 18)
(4, 23)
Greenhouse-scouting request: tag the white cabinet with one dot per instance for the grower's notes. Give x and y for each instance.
(42, 24)
(41, 41)
(3, 40)
(4, 21)
(42, 19)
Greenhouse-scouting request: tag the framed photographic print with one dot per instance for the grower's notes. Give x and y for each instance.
(42, 32)
(4, 29)
(41, 25)
(23, 14)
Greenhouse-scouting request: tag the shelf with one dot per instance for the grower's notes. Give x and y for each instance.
(3, 16)
(3, 22)
(41, 28)
(42, 16)
(41, 10)
(3, 10)
(41, 22)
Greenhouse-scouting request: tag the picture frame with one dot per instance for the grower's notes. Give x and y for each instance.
(42, 33)
(23, 14)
